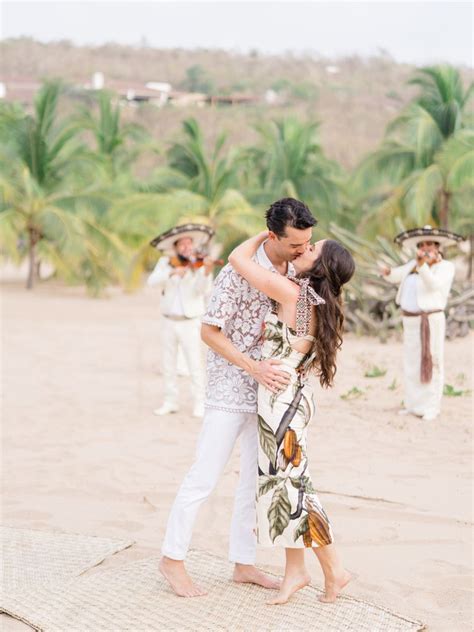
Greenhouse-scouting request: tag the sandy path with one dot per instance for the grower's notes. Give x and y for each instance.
(82, 451)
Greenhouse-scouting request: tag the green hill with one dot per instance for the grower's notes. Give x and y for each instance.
(353, 98)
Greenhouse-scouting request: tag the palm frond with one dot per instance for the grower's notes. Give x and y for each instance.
(421, 195)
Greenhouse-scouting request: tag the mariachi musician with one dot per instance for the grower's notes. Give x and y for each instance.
(424, 284)
(184, 275)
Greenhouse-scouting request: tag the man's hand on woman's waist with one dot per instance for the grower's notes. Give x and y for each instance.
(267, 373)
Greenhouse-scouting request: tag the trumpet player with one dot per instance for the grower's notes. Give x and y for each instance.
(424, 286)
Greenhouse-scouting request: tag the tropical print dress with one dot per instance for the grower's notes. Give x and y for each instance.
(289, 513)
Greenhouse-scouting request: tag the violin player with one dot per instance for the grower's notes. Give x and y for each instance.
(184, 276)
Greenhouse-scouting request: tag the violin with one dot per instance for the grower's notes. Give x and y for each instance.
(178, 261)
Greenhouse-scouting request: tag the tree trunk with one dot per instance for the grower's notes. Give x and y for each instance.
(471, 256)
(33, 240)
(444, 210)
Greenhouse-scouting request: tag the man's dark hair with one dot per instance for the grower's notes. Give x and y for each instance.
(288, 212)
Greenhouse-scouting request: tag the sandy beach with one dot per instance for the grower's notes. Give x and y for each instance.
(82, 451)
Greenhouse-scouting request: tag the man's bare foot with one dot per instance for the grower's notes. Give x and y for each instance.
(248, 574)
(177, 576)
(288, 588)
(334, 586)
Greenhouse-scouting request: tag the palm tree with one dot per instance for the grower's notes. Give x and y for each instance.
(213, 179)
(44, 174)
(112, 137)
(290, 162)
(196, 185)
(442, 96)
(209, 176)
(425, 160)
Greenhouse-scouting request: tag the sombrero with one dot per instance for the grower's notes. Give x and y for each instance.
(199, 233)
(410, 238)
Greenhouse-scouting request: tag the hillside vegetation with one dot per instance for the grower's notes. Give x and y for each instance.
(354, 105)
(372, 146)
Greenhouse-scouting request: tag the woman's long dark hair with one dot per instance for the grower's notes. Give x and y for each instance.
(334, 267)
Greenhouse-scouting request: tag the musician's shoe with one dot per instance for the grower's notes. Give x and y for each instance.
(166, 409)
(404, 411)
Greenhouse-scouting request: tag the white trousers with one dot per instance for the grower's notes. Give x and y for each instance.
(219, 433)
(184, 334)
(423, 399)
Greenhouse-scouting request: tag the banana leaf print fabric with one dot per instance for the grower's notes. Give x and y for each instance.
(289, 512)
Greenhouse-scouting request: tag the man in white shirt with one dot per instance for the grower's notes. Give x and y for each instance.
(424, 286)
(184, 293)
(232, 328)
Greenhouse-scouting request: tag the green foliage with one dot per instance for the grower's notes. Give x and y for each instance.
(197, 80)
(209, 176)
(450, 391)
(40, 142)
(305, 91)
(212, 175)
(425, 162)
(289, 161)
(280, 85)
(375, 371)
(69, 193)
(442, 96)
(45, 174)
(118, 145)
(300, 90)
(353, 393)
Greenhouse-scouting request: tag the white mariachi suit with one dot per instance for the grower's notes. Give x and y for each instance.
(427, 291)
(231, 412)
(182, 306)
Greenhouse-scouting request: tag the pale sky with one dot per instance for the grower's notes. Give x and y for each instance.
(414, 32)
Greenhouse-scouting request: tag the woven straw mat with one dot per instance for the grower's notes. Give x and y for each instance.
(135, 598)
(31, 558)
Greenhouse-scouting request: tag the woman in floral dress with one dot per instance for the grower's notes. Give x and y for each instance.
(302, 330)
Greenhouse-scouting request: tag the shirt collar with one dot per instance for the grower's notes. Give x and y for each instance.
(264, 261)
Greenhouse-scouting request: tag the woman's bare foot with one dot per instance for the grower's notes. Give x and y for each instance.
(288, 588)
(248, 574)
(334, 586)
(177, 577)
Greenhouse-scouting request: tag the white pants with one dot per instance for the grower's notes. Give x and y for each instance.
(219, 433)
(184, 334)
(423, 399)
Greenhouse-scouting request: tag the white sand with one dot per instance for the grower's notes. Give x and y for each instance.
(83, 453)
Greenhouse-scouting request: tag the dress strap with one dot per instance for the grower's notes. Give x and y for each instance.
(306, 299)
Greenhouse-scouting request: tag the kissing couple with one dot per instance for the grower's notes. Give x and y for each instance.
(274, 318)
